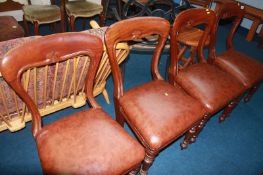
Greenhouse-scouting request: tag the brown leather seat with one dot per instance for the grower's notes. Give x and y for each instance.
(211, 86)
(245, 69)
(214, 88)
(87, 142)
(156, 111)
(159, 112)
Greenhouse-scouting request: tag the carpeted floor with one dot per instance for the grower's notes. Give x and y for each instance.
(234, 147)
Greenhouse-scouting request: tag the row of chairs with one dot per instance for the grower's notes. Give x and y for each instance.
(48, 14)
(158, 112)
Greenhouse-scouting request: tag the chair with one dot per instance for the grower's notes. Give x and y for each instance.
(245, 69)
(205, 82)
(10, 28)
(87, 142)
(84, 9)
(42, 14)
(157, 112)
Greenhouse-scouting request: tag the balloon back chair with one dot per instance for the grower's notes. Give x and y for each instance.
(156, 111)
(205, 82)
(245, 69)
(84, 9)
(42, 14)
(87, 142)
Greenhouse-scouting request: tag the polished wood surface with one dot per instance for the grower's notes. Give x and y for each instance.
(10, 5)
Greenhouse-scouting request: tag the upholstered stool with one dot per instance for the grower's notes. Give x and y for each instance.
(9, 28)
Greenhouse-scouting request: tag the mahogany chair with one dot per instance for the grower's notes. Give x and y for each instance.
(87, 142)
(42, 14)
(245, 69)
(85, 9)
(214, 88)
(157, 112)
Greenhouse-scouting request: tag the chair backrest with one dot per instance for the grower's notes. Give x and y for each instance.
(132, 29)
(45, 51)
(233, 11)
(187, 20)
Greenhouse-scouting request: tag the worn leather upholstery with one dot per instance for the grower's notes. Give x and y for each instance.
(108, 149)
(158, 123)
(211, 86)
(246, 69)
(41, 13)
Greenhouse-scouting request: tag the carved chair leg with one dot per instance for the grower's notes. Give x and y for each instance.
(72, 23)
(148, 161)
(194, 132)
(55, 27)
(251, 92)
(83, 23)
(101, 20)
(26, 26)
(230, 107)
(135, 171)
(188, 136)
(200, 128)
(106, 96)
(36, 28)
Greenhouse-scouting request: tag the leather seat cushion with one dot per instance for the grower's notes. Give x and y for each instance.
(159, 112)
(83, 8)
(42, 13)
(88, 142)
(209, 85)
(246, 69)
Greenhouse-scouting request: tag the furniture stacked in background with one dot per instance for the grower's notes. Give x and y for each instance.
(83, 9)
(50, 13)
(53, 93)
(42, 14)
